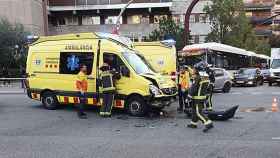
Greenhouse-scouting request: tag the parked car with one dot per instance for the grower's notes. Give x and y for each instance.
(222, 80)
(266, 74)
(248, 77)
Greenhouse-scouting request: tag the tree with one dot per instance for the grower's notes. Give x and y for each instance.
(12, 44)
(231, 26)
(168, 28)
(275, 41)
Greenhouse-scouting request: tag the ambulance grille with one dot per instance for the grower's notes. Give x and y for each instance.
(169, 91)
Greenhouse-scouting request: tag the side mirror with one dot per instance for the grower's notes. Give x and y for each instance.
(125, 71)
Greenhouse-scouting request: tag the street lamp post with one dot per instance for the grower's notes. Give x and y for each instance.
(187, 21)
(118, 23)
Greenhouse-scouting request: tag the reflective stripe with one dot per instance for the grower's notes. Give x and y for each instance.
(199, 97)
(194, 123)
(198, 114)
(208, 122)
(107, 89)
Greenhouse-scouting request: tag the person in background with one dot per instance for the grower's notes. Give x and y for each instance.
(211, 74)
(82, 86)
(6, 74)
(184, 85)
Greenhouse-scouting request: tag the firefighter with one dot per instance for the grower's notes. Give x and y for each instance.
(198, 94)
(184, 84)
(211, 74)
(107, 90)
(82, 85)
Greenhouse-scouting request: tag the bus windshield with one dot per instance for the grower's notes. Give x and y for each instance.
(137, 63)
(275, 63)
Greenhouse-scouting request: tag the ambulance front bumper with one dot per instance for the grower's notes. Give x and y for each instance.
(162, 101)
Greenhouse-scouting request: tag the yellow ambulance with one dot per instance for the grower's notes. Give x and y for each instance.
(160, 56)
(53, 64)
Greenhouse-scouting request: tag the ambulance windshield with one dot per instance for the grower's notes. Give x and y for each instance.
(137, 63)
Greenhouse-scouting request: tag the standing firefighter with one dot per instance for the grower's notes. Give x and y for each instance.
(82, 85)
(198, 94)
(211, 74)
(107, 89)
(184, 84)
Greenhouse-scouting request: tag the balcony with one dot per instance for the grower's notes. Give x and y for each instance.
(258, 6)
(70, 5)
(261, 20)
(98, 2)
(263, 32)
(125, 29)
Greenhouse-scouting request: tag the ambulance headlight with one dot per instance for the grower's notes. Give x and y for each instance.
(154, 90)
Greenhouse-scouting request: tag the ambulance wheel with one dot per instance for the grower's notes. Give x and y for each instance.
(49, 101)
(136, 106)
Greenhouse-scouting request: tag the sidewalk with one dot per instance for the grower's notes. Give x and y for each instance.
(13, 89)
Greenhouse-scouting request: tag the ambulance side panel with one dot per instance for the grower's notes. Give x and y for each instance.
(45, 64)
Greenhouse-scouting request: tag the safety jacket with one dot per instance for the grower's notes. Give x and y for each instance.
(81, 82)
(184, 80)
(199, 89)
(107, 83)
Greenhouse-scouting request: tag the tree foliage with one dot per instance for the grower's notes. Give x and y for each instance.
(12, 44)
(168, 28)
(231, 26)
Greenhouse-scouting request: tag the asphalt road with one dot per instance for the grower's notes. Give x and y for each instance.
(29, 131)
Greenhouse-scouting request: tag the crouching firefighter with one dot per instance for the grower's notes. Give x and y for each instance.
(107, 90)
(198, 94)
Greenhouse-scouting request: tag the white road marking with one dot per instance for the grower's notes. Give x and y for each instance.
(275, 138)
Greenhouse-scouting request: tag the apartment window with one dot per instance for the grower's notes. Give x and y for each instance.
(91, 20)
(192, 18)
(249, 14)
(202, 18)
(72, 20)
(61, 21)
(176, 19)
(134, 19)
(157, 18)
(112, 20)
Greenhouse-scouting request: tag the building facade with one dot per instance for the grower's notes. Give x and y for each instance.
(276, 19)
(30, 13)
(138, 20)
(259, 13)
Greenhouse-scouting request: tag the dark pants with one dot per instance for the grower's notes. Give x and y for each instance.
(81, 105)
(108, 102)
(197, 113)
(182, 98)
(209, 104)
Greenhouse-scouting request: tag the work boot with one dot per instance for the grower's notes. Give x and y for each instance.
(208, 127)
(82, 115)
(191, 126)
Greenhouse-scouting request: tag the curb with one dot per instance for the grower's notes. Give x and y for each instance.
(12, 92)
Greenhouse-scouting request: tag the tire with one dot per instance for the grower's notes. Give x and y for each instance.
(136, 106)
(270, 83)
(49, 101)
(227, 87)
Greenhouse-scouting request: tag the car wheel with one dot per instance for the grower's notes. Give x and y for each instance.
(49, 101)
(136, 106)
(227, 87)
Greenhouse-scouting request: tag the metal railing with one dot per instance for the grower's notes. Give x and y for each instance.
(12, 85)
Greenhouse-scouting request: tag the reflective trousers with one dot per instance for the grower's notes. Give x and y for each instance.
(197, 113)
(209, 105)
(107, 104)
